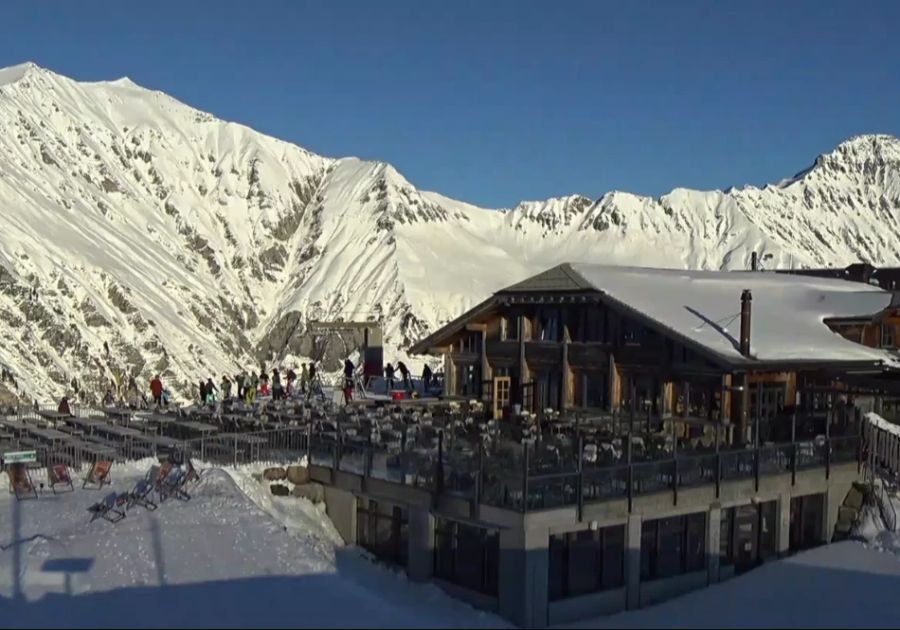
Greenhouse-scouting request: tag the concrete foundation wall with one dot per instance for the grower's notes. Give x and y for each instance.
(586, 606)
(340, 505)
(473, 598)
(657, 591)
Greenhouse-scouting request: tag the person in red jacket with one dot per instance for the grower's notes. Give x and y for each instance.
(156, 388)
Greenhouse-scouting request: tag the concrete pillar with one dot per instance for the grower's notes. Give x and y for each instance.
(834, 498)
(420, 567)
(564, 381)
(523, 576)
(784, 524)
(713, 539)
(633, 561)
(340, 506)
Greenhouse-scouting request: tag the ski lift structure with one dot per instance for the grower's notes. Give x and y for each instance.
(371, 350)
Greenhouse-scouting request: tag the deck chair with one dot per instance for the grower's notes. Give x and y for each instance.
(110, 508)
(161, 473)
(173, 485)
(192, 473)
(59, 475)
(20, 482)
(140, 495)
(98, 475)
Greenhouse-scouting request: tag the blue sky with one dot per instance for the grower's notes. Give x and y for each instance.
(497, 101)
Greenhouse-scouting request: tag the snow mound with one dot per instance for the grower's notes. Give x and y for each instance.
(219, 560)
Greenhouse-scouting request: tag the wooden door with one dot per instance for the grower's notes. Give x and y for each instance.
(502, 386)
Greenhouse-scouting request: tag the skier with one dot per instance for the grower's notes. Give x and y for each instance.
(426, 379)
(226, 387)
(202, 392)
(348, 380)
(64, 406)
(291, 378)
(389, 377)
(404, 372)
(304, 378)
(156, 390)
(276, 385)
(264, 384)
(250, 386)
(211, 391)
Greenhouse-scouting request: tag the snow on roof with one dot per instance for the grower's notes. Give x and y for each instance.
(788, 311)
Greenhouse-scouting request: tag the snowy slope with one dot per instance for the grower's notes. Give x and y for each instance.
(218, 560)
(192, 246)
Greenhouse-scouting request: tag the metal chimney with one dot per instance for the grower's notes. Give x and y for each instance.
(746, 304)
(754, 261)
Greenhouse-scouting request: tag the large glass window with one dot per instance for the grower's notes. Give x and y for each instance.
(591, 389)
(673, 546)
(509, 328)
(748, 535)
(807, 521)
(466, 555)
(887, 336)
(586, 562)
(383, 529)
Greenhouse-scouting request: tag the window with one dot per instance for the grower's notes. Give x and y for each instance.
(549, 327)
(748, 535)
(586, 562)
(673, 546)
(807, 516)
(468, 379)
(466, 555)
(591, 389)
(509, 328)
(383, 529)
(470, 342)
(887, 336)
(589, 325)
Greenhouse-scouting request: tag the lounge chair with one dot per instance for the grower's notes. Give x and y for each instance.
(173, 485)
(59, 475)
(20, 482)
(110, 508)
(98, 475)
(140, 495)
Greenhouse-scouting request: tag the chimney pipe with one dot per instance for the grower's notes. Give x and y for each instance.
(754, 261)
(746, 300)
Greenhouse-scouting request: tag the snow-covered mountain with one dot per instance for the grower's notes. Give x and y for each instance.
(140, 235)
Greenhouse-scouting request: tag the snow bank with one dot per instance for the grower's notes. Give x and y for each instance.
(230, 557)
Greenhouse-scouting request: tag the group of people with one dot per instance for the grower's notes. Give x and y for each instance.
(280, 384)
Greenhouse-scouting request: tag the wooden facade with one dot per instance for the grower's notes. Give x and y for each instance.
(573, 349)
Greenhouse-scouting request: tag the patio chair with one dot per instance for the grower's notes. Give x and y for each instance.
(173, 485)
(20, 482)
(98, 475)
(58, 475)
(140, 495)
(110, 508)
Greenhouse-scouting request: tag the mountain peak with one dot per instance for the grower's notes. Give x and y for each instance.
(16, 73)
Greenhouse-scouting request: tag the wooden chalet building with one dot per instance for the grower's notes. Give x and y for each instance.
(718, 347)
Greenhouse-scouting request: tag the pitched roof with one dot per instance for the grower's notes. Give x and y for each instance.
(788, 311)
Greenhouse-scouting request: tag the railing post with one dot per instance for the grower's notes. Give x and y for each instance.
(674, 481)
(309, 444)
(718, 474)
(827, 458)
(234, 449)
(630, 484)
(479, 481)
(580, 482)
(794, 464)
(756, 467)
(525, 480)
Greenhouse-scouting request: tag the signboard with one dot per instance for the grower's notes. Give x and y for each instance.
(20, 457)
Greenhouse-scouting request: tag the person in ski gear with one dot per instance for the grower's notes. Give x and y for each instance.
(277, 391)
(202, 392)
(426, 378)
(389, 376)
(226, 387)
(404, 373)
(250, 386)
(291, 379)
(64, 406)
(304, 378)
(156, 390)
(211, 391)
